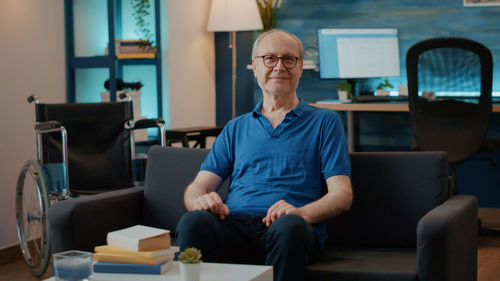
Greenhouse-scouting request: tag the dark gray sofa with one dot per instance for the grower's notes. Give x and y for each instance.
(403, 225)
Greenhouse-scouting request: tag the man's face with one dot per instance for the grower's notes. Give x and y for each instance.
(277, 80)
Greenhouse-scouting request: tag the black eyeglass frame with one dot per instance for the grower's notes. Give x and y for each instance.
(278, 59)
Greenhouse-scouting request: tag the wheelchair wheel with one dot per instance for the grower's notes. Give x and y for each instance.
(32, 204)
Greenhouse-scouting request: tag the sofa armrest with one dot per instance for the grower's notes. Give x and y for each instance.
(447, 241)
(82, 223)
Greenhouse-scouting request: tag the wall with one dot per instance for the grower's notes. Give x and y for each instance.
(191, 64)
(32, 62)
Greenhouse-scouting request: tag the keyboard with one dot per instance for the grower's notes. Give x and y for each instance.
(367, 98)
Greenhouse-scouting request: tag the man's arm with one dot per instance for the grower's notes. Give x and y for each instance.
(201, 195)
(337, 200)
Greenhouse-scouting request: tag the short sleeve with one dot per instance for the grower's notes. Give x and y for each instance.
(334, 153)
(220, 159)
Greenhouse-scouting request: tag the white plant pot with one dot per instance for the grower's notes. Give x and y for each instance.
(190, 271)
(343, 95)
(382, 92)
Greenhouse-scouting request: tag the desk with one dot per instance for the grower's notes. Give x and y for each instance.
(378, 106)
(184, 135)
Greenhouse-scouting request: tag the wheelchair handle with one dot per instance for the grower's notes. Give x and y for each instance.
(33, 98)
(125, 95)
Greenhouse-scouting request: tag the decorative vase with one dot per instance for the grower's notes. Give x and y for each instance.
(190, 271)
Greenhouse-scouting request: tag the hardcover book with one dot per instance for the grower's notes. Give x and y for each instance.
(124, 251)
(130, 268)
(107, 257)
(140, 238)
(128, 276)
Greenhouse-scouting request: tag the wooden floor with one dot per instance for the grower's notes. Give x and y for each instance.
(488, 255)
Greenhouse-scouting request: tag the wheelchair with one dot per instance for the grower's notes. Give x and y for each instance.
(82, 148)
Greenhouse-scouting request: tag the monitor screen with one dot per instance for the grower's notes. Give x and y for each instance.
(358, 53)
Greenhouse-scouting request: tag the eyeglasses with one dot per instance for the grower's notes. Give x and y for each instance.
(270, 61)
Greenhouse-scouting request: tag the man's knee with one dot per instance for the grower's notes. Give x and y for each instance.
(290, 228)
(196, 221)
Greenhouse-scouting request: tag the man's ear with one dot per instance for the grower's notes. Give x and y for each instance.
(301, 65)
(254, 67)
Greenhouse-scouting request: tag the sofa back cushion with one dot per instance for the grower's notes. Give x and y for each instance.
(392, 191)
(169, 170)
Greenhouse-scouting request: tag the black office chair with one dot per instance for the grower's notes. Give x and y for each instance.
(447, 67)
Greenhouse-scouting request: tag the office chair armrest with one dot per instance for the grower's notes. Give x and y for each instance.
(83, 223)
(447, 241)
(148, 123)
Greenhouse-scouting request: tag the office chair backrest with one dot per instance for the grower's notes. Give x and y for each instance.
(99, 151)
(450, 66)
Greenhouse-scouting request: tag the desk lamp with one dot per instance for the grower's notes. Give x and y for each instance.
(232, 16)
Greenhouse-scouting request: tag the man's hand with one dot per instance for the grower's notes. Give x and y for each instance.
(201, 195)
(211, 202)
(277, 210)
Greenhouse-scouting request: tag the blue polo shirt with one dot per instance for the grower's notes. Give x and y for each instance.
(289, 162)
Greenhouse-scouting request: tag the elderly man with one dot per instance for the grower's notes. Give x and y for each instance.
(279, 157)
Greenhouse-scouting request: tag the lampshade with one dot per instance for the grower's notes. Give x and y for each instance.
(234, 15)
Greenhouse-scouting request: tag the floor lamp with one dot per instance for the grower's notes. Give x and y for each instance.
(232, 16)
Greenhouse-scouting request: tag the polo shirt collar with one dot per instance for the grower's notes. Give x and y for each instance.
(298, 110)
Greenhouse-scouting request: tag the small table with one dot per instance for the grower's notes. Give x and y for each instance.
(221, 272)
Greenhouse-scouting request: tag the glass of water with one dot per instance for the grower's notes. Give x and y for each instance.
(72, 266)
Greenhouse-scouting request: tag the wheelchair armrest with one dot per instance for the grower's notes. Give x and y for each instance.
(148, 123)
(47, 125)
(447, 241)
(83, 223)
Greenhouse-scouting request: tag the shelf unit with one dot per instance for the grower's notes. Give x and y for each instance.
(110, 62)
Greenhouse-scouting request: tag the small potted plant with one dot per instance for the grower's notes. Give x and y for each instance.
(383, 87)
(344, 90)
(190, 264)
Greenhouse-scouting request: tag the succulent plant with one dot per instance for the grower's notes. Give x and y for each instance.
(190, 255)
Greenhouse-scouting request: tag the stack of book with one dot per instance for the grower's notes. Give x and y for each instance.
(134, 49)
(135, 253)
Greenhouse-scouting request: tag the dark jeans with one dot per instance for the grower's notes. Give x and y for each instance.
(288, 244)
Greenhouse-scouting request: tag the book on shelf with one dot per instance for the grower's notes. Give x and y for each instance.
(136, 49)
(136, 56)
(124, 42)
(108, 257)
(124, 251)
(131, 268)
(140, 238)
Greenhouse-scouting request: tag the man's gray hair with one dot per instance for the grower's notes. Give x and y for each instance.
(257, 41)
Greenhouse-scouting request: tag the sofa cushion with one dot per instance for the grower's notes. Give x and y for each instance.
(365, 264)
(169, 170)
(391, 194)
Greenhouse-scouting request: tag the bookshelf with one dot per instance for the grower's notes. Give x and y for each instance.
(91, 26)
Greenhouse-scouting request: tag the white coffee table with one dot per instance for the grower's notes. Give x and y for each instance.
(221, 272)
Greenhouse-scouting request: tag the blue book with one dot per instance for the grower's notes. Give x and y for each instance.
(133, 268)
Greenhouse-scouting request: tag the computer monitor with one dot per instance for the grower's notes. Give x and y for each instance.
(358, 53)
